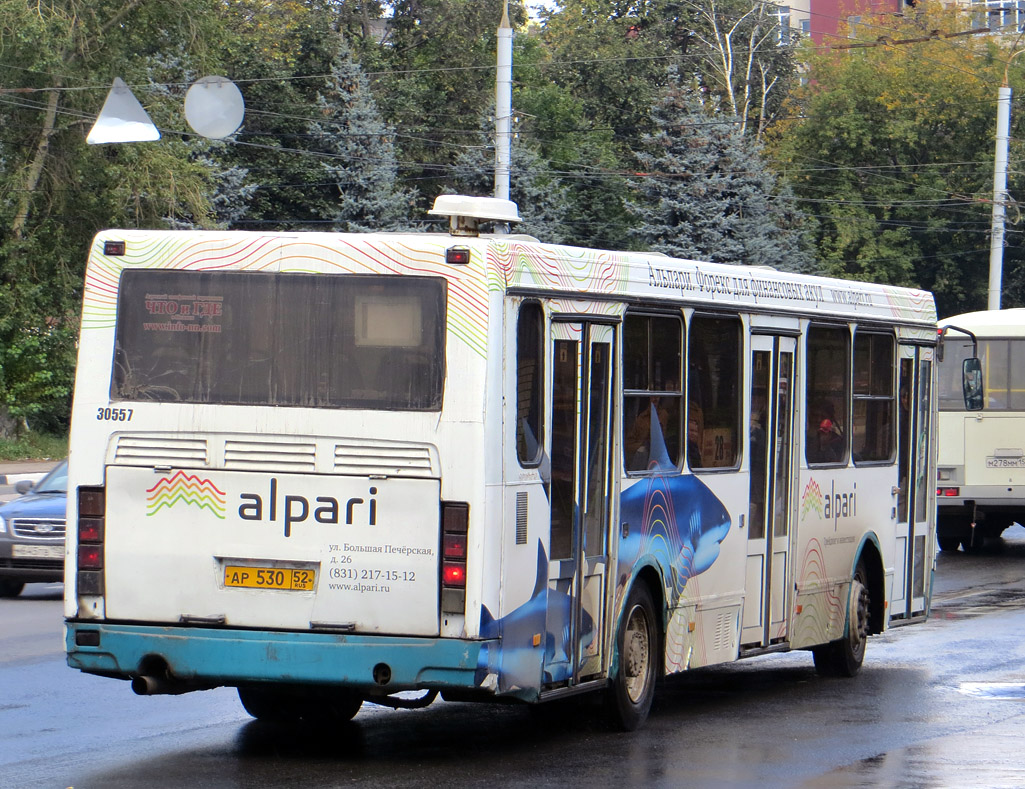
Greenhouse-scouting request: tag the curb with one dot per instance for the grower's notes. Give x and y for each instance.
(11, 479)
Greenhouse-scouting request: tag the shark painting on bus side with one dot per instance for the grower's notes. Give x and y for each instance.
(672, 517)
(518, 661)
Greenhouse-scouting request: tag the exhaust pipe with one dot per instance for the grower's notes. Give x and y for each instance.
(148, 685)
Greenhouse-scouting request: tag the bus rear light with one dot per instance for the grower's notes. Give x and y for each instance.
(948, 491)
(457, 256)
(92, 506)
(455, 522)
(453, 574)
(454, 546)
(90, 530)
(90, 557)
(455, 517)
(91, 502)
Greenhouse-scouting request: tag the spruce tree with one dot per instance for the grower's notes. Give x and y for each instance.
(360, 163)
(707, 192)
(543, 201)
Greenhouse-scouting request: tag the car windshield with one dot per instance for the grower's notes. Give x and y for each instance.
(54, 482)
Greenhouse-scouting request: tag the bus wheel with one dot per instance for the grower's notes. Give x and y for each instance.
(843, 658)
(633, 686)
(290, 705)
(949, 542)
(11, 588)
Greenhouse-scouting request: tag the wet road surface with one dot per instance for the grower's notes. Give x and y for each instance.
(937, 704)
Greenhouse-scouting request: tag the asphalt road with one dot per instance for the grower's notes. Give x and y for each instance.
(937, 704)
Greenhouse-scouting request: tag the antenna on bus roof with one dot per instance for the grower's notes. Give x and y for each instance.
(466, 213)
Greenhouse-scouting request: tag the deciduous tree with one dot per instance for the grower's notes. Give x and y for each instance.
(891, 149)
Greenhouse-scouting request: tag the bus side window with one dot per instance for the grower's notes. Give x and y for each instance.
(652, 353)
(827, 394)
(873, 421)
(529, 382)
(713, 392)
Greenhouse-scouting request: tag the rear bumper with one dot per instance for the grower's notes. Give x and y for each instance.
(982, 507)
(212, 656)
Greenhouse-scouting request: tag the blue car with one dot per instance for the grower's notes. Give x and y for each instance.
(32, 533)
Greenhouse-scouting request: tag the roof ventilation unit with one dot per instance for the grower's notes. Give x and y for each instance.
(465, 213)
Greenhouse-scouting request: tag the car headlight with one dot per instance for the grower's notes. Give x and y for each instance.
(3, 525)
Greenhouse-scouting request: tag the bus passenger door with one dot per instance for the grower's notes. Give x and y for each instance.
(915, 536)
(767, 604)
(581, 422)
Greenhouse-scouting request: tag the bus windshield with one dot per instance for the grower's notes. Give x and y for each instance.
(238, 337)
(1003, 373)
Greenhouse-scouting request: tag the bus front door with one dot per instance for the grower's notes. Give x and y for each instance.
(766, 608)
(915, 535)
(581, 421)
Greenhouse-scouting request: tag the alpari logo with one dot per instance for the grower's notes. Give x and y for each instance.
(298, 509)
(833, 505)
(811, 499)
(187, 489)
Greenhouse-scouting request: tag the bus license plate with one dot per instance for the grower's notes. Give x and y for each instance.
(288, 578)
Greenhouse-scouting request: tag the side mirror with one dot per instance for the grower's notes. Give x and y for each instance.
(971, 383)
(23, 486)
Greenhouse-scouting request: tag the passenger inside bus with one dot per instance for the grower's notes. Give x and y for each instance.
(637, 445)
(695, 433)
(759, 464)
(825, 435)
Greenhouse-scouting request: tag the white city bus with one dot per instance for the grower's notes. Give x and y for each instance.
(981, 465)
(328, 469)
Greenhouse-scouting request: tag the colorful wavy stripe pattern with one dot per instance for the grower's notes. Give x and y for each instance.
(820, 611)
(509, 264)
(188, 489)
(314, 252)
(561, 268)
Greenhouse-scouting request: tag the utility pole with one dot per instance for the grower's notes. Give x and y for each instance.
(996, 236)
(503, 106)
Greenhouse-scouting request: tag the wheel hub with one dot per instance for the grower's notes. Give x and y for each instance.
(636, 654)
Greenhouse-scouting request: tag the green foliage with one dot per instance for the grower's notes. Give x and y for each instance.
(707, 193)
(361, 164)
(612, 57)
(893, 155)
(583, 157)
(436, 74)
(36, 357)
(34, 445)
(57, 191)
(541, 199)
(359, 113)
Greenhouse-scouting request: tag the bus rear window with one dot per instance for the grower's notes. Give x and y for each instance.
(314, 340)
(1003, 373)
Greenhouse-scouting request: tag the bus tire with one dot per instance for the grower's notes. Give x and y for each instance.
(843, 658)
(11, 588)
(291, 706)
(637, 646)
(949, 542)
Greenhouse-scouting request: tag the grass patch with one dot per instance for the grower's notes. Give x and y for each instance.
(34, 446)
